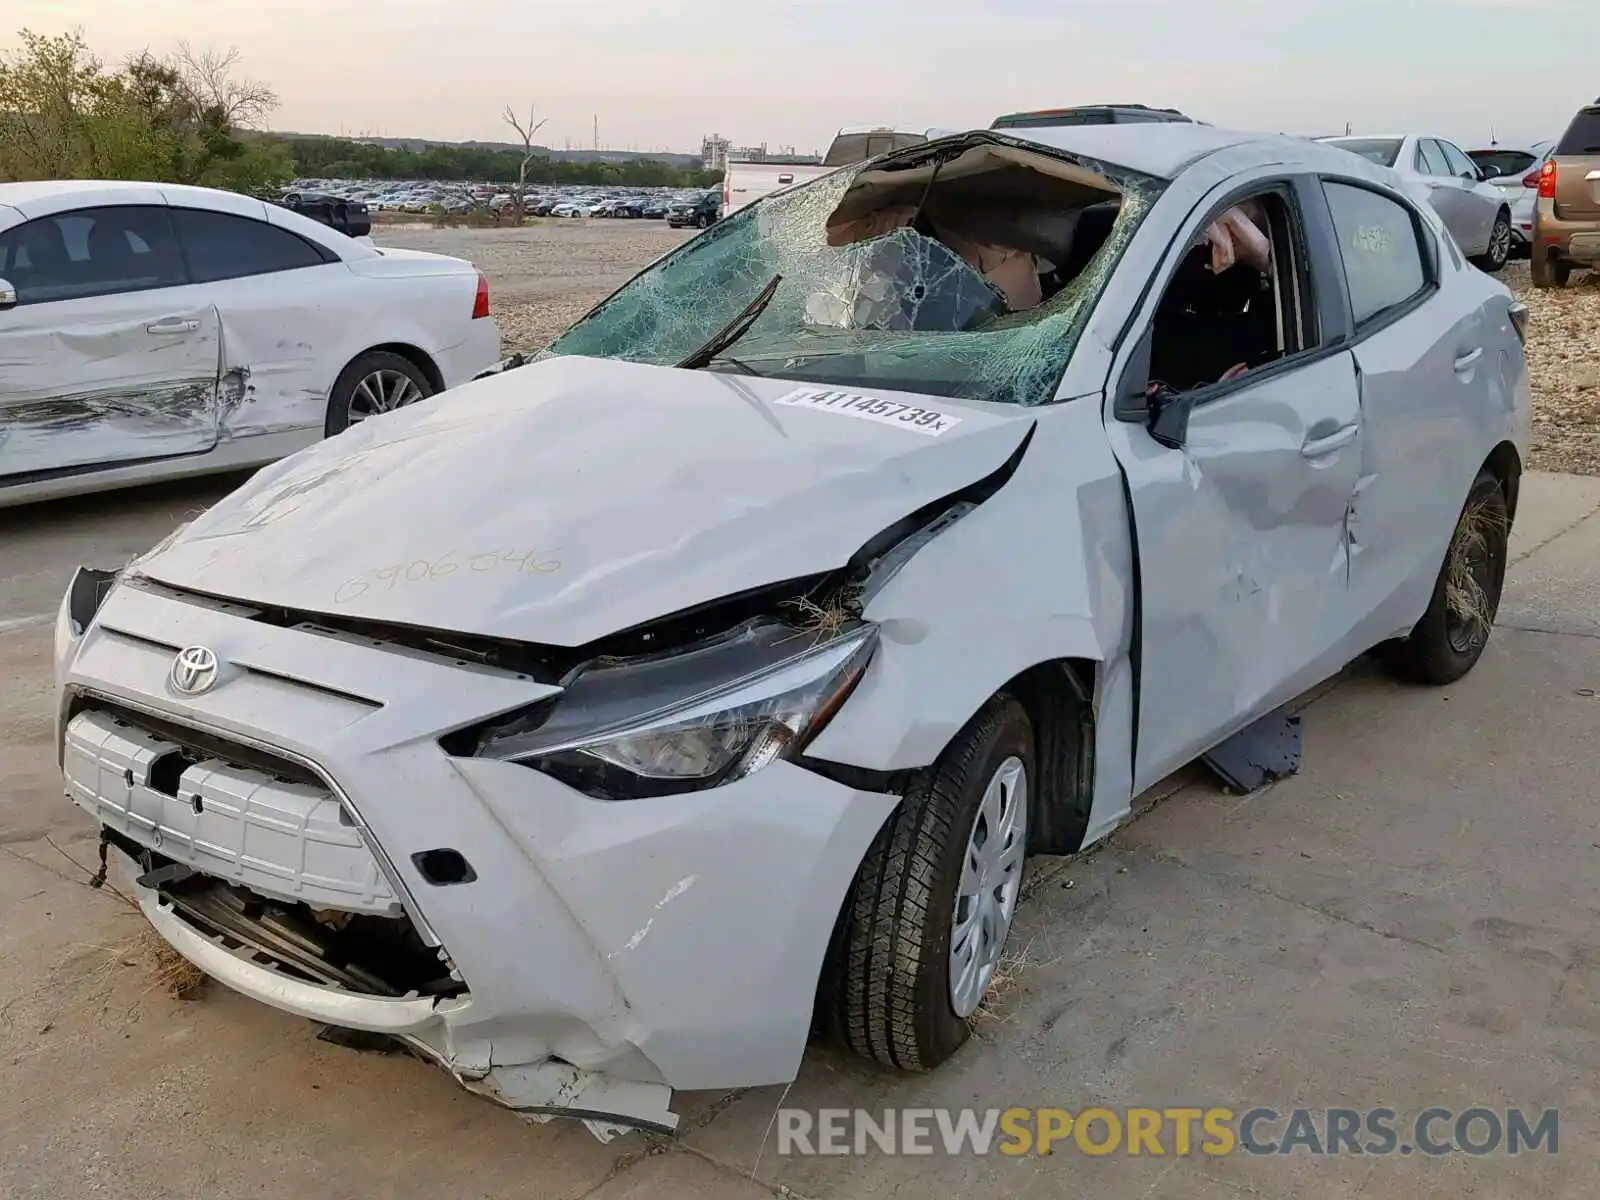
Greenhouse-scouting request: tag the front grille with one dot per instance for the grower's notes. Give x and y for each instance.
(200, 745)
(224, 810)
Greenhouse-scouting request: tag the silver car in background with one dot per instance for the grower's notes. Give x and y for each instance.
(1477, 213)
(1514, 170)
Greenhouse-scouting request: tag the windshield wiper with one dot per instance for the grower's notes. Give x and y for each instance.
(733, 330)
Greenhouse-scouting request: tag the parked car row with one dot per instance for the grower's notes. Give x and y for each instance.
(1540, 201)
(459, 199)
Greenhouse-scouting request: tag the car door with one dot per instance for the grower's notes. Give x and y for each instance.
(285, 304)
(1424, 372)
(1480, 201)
(1239, 516)
(1446, 196)
(107, 358)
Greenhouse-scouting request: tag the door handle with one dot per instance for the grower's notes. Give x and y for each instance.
(1466, 361)
(1337, 440)
(173, 326)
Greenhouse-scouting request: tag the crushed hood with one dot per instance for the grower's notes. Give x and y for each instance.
(578, 497)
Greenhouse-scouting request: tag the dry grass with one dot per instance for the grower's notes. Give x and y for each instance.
(1007, 980)
(169, 971)
(1481, 525)
(827, 619)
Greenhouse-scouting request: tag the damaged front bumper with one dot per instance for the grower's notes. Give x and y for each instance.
(572, 956)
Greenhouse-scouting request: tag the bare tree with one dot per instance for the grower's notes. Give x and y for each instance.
(525, 130)
(211, 86)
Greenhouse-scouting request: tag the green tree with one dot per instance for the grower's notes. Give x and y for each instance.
(62, 115)
(186, 118)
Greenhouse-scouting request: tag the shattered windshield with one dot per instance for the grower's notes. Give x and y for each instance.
(966, 273)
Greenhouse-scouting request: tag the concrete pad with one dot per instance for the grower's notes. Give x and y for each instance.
(678, 1173)
(1548, 505)
(1556, 589)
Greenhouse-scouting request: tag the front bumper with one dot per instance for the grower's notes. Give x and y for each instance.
(609, 953)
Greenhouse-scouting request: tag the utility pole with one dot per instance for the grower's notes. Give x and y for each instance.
(1347, 129)
(597, 131)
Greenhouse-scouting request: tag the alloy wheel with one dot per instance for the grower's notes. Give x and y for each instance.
(1500, 243)
(380, 392)
(991, 885)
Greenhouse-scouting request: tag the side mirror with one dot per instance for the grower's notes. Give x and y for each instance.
(1164, 413)
(8, 295)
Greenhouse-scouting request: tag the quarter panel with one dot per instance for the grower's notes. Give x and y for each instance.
(1041, 571)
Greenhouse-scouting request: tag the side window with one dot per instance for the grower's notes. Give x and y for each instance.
(91, 252)
(1378, 241)
(1240, 298)
(1431, 159)
(223, 246)
(1460, 165)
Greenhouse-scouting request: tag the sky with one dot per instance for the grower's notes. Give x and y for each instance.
(660, 74)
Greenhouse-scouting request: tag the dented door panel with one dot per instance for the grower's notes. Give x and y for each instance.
(109, 380)
(1243, 556)
(280, 334)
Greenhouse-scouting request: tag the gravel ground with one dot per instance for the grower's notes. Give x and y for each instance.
(546, 275)
(1564, 368)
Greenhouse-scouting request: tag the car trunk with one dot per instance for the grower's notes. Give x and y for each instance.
(1577, 160)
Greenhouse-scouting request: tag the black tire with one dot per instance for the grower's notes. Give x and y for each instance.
(1499, 252)
(1551, 274)
(338, 418)
(885, 989)
(1443, 646)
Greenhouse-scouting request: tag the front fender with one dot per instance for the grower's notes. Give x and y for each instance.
(1041, 571)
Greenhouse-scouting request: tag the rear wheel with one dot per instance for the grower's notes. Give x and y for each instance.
(1450, 638)
(376, 382)
(1499, 251)
(923, 929)
(1551, 274)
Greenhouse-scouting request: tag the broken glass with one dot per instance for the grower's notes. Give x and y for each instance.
(898, 311)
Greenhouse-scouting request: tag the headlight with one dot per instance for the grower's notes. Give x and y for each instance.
(689, 720)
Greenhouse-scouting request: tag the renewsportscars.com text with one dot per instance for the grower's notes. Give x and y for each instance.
(1178, 1132)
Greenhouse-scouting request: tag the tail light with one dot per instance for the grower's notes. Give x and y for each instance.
(1547, 180)
(1531, 179)
(480, 302)
(1518, 312)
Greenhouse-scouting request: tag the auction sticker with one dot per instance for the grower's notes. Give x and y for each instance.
(928, 421)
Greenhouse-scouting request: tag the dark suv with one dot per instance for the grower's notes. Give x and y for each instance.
(1566, 217)
(701, 213)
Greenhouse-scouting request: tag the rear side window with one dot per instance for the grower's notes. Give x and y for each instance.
(223, 246)
(91, 252)
(1378, 241)
(1583, 135)
(1460, 164)
(1431, 159)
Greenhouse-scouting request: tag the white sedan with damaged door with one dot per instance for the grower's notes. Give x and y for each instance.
(588, 725)
(150, 331)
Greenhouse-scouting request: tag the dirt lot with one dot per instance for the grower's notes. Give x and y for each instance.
(545, 276)
(548, 274)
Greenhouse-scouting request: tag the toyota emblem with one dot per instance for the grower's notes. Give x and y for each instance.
(194, 671)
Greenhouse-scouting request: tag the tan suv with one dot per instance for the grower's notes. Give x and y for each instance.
(1566, 220)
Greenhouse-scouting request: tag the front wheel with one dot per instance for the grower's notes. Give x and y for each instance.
(1499, 251)
(1451, 635)
(924, 926)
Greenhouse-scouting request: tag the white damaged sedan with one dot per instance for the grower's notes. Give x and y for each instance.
(591, 725)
